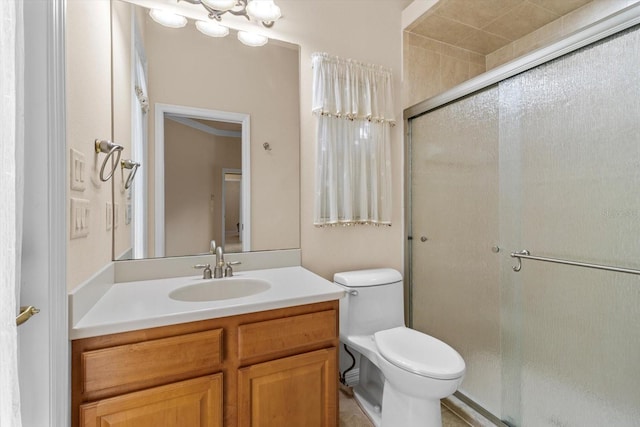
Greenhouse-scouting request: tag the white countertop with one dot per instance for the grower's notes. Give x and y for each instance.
(144, 304)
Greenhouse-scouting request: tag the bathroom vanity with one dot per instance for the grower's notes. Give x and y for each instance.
(274, 363)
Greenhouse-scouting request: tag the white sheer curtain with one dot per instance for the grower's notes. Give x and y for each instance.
(354, 105)
(11, 184)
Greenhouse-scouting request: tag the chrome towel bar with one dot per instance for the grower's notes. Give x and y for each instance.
(133, 167)
(109, 148)
(525, 254)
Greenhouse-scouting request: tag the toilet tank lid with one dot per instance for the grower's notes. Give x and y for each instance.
(372, 277)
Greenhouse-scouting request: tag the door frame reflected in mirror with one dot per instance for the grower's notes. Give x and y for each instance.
(225, 209)
(161, 111)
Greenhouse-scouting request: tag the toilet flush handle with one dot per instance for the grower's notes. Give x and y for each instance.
(353, 292)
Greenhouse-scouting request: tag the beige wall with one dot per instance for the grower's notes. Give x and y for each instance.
(89, 68)
(359, 29)
(367, 31)
(88, 98)
(193, 186)
(122, 133)
(189, 69)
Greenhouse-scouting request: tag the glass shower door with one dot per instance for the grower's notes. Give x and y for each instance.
(547, 161)
(456, 294)
(570, 189)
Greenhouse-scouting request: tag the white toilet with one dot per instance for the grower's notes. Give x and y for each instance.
(403, 373)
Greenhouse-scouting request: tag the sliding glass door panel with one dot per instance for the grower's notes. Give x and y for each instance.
(456, 296)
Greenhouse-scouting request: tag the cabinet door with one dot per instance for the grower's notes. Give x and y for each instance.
(294, 391)
(192, 403)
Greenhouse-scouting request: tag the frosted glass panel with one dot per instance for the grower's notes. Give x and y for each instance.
(547, 161)
(574, 124)
(455, 206)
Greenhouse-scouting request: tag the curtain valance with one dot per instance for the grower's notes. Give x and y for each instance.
(345, 88)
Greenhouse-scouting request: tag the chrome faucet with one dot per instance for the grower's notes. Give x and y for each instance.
(206, 272)
(218, 270)
(228, 272)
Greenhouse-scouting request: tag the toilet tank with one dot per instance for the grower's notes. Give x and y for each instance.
(374, 301)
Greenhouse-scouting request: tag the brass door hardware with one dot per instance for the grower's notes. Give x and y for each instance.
(26, 312)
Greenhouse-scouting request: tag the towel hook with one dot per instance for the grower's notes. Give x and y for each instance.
(518, 266)
(108, 147)
(133, 166)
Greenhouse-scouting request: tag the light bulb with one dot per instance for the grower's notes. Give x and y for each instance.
(168, 19)
(220, 4)
(263, 10)
(212, 28)
(252, 39)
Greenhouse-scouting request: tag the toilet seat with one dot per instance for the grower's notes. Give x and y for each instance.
(419, 353)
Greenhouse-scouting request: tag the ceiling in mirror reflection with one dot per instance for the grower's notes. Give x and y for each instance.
(186, 68)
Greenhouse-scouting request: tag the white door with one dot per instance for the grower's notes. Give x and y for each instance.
(43, 340)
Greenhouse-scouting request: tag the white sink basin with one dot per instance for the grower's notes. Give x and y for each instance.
(220, 289)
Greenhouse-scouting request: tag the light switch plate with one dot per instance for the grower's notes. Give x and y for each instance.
(116, 215)
(77, 166)
(80, 216)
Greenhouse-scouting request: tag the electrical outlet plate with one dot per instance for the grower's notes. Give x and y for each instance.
(77, 166)
(80, 213)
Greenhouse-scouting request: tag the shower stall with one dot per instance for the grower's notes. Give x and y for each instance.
(540, 156)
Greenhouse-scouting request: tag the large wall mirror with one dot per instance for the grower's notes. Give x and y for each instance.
(215, 126)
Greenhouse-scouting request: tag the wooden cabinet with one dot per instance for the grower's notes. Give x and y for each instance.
(270, 368)
(134, 366)
(191, 403)
(292, 391)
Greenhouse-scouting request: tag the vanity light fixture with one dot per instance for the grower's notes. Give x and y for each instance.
(212, 28)
(265, 11)
(220, 5)
(252, 39)
(168, 19)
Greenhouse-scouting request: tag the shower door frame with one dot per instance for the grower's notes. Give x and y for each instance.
(617, 22)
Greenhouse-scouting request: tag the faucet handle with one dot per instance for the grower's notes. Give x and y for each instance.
(206, 273)
(228, 272)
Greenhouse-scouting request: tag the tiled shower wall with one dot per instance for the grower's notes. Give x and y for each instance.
(573, 21)
(431, 67)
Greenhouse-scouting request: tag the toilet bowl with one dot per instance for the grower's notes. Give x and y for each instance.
(403, 373)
